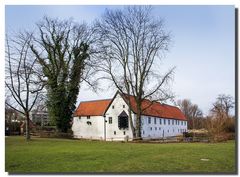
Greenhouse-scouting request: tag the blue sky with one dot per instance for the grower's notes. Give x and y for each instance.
(202, 49)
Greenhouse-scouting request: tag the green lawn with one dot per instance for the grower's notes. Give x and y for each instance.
(61, 155)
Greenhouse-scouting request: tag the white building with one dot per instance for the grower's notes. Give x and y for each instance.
(109, 119)
(40, 117)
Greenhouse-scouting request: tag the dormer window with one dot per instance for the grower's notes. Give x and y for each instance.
(113, 107)
(123, 106)
(88, 117)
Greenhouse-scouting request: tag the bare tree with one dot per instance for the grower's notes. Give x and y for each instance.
(132, 43)
(23, 78)
(191, 111)
(220, 114)
(222, 106)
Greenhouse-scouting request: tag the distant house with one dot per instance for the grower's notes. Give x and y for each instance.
(40, 117)
(109, 119)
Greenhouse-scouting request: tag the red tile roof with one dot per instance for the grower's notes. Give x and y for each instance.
(92, 108)
(156, 109)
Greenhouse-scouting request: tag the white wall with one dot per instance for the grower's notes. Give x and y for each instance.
(118, 104)
(96, 130)
(158, 130)
(81, 129)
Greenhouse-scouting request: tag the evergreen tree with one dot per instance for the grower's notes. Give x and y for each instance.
(64, 60)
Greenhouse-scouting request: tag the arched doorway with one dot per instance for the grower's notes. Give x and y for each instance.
(123, 120)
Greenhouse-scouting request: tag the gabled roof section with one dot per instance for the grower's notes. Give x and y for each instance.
(92, 108)
(155, 109)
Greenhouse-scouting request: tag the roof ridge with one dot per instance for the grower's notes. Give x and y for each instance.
(169, 105)
(146, 99)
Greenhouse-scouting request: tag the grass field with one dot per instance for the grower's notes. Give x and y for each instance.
(62, 155)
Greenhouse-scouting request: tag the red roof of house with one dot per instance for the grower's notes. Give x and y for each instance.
(155, 109)
(92, 108)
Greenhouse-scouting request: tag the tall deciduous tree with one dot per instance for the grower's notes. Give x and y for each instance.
(132, 43)
(191, 111)
(23, 80)
(222, 106)
(220, 117)
(62, 49)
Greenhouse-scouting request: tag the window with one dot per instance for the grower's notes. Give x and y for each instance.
(164, 121)
(155, 128)
(143, 132)
(159, 128)
(114, 132)
(182, 122)
(150, 128)
(168, 122)
(113, 107)
(155, 120)
(168, 131)
(149, 120)
(160, 121)
(172, 122)
(88, 117)
(79, 117)
(173, 129)
(124, 133)
(123, 106)
(123, 120)
(110, 120)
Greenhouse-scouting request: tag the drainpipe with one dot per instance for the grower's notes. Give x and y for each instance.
(104, 118)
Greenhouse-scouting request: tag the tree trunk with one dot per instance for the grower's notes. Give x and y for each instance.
(131, 123)
(27, 127)
(138, 126)
(131, 118)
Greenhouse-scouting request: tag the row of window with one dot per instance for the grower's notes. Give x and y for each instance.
(179, 130)
(124, 133)
(161, 121)
(164, 121)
